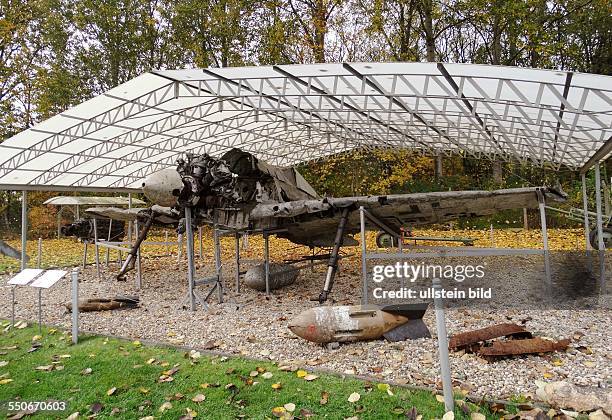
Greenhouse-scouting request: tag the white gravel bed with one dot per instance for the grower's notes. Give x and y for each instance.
(250, 324)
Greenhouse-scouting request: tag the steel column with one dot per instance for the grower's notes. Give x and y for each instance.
(267, 261)
(180, 248)
(59, 221)
(218, 265)
(200, 241)
(600, 241)
(237, 255)
(129, 232)
(364, 250)
(13, 306)
(167, 244)
(39, 311)
(542, 207)
(110, 227)
(138, 256)
(447, 387)
(190, 262)
(85, 243)
(95, 225)
(585, 207)
(24, 228)
(39, 253)
(75, 305)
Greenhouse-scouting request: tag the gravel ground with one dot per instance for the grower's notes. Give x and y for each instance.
(251, 324)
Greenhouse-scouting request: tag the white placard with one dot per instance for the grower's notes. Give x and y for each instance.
(25, 276)
(49, 278)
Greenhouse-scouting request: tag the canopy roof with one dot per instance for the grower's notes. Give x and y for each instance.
(290, 114)
(62, 200)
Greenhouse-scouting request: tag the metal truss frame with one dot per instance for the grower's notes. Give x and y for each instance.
(287, 115)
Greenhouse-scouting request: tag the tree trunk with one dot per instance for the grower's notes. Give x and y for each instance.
(319, 20)
(426, 12)
(497, 172)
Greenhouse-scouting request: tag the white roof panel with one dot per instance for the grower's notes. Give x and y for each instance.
(293, 113)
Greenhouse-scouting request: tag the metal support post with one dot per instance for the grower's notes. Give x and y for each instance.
(364, 250)
(110, 227)
(312, 255)
(218, 265)
(585, 208)
(13, 306)
(601, 247)
(542, 207)
(24, 228)
(267, 261)
(95, 226)
(167, 244)
(492, 237)
(190, 262)
(75, 305)
(38, 263)
(129, 232)
(525, 220)
(237, 255)
(138, 258)
(86, 243)
(39, 311)
(39, 253)
(59, 222)
(445, 373)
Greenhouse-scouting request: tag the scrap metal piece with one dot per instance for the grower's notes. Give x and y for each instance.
(411, 330)
(9, 251)
(327, 324)
(281, 275)
(130, 260)
(105, 304)
(527, 346)
(462, 340)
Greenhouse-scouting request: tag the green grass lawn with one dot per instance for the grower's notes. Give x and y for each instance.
(85, 375)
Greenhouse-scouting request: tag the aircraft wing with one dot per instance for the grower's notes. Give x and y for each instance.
(163, 215)
(319, 218)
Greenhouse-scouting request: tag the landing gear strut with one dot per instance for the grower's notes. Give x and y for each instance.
(130, 260)
(332, 266)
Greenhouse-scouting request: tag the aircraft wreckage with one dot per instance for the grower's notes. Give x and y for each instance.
(238, 192)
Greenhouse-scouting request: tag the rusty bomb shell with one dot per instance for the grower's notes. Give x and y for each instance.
(326, 324)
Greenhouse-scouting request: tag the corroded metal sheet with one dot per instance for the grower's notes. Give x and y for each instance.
(466, 339)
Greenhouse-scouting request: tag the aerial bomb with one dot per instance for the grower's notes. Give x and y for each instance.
(280, 275)
(327, 324)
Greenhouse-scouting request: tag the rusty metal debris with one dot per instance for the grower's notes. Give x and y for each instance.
(106, 304)
(9, 251)
(527, 346)
(466, 339)
(487, 343)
